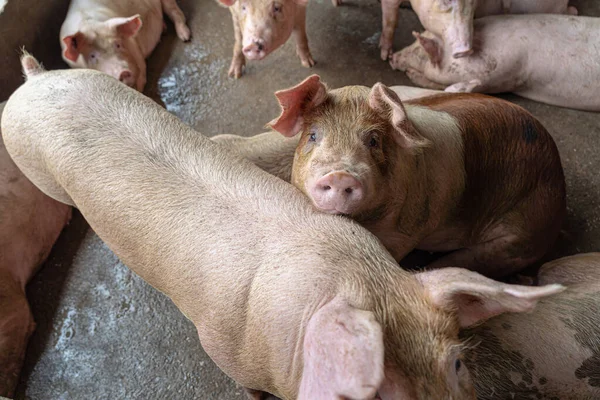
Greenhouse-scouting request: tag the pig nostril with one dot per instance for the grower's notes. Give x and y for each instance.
(326, 187)
(259, 46)
(348, 190)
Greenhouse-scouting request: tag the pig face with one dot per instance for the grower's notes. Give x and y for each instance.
(106, 47)
(358, 354)
(452, 20)
(352, 140)
(265, 25)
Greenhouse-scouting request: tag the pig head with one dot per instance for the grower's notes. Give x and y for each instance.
(265, 25)
(106, 46)
(346, 182)
(451, 20)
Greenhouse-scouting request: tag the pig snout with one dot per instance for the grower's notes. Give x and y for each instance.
(337, 192)
(127, 78)
(256, 50)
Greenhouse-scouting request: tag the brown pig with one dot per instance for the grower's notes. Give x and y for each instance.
(30, 223)
(552, 353)
(262, 26)
(469, 173)
(286, 300)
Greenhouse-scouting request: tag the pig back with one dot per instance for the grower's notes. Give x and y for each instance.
(512, 164)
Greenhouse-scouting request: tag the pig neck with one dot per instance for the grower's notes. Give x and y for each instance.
(432, 183)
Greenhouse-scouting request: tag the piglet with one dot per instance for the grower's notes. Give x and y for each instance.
(116, 36)
(286, 300)
(452, 20)
(553, 59)
(469, 173)
(30, 223)
(552, 353)
(262, 26)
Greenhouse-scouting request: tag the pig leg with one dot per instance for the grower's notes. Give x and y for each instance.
(171, 8)
(16, 325)
(471, 86)
(495, 258)
(419, 79)
(336, 2)
(301, 40)
(237, 63)
(389, 11)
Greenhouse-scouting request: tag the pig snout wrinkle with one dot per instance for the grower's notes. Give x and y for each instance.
(337, 193)
(257, 50)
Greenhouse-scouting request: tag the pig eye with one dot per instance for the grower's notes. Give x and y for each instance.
(276, 7)
(243, 7)
(373, 142)
(312, 137)
(117, 45)
(457, 365)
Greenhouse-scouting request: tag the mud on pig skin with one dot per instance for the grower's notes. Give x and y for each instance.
(553, 59)
(262, 26)
(116, 36)
(30, 223)
(302, 314)
(436, 173)
(552, 353)
(452, 20)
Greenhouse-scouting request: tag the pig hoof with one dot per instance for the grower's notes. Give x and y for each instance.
(183, 32)
(337, 2)
(236, 69)
(307, 60)
(386, 48)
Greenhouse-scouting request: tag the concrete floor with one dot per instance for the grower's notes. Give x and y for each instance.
(103, 333)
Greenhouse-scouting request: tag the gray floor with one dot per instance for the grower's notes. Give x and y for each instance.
(102, 332)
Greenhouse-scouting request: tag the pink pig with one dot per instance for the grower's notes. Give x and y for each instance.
(116, 36)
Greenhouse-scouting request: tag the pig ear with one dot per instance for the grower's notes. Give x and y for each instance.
(227, 3)
(476, 298)
(294, 102)
(126, 27)
(74, 45)
(432, 48)
(386, 102)
(343, 354)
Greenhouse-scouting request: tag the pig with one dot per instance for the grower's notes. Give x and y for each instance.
(452, 20)
(553, 59)
(30, 223)
(441, 173)
(262, 26)
(552, 353)
(286, 300)
(116, 36)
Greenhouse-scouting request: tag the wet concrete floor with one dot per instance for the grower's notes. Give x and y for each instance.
(102, 333)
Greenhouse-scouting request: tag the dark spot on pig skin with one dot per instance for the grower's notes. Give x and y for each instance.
(530, 134)
(506, 326)
(590, 370)
(496, 370)
(543, 380)
(581, 315)
(13, 179)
